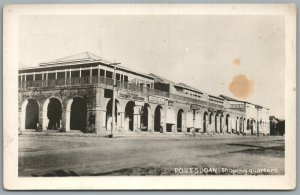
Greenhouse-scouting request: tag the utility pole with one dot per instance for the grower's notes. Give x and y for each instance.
(113, 101)
(257, 129)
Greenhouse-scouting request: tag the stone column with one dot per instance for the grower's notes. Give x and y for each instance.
(67, 114)
(122, 120)
(137, 118)
(119, 121)
(183, 130)
(150, 122)
(163, 122)
(19, 120)
(63, 120)
(217, 130)
(102, 116)
(97, 120)
(45, 119)
(212, 125)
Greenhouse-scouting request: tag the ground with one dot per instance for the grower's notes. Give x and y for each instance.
(44, 155)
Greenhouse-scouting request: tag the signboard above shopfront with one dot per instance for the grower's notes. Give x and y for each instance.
(156, 100)
(195, 107)
(131, 96)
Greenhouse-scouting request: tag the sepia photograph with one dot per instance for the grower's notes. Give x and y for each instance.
(158, 91)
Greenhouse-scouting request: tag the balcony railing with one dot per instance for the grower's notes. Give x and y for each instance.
(85, 81)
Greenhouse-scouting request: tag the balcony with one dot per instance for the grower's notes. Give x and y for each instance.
(105, 82)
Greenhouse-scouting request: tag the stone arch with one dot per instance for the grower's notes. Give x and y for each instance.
(52, 113)
(205, 122)
(129, 116)
(240, 125)
(108, 122)
(216, 123)
(221, 123)
(237, 125)
(30, 114)
(146, 117)
(158, 118)
(211, 117)
(228, 124)
(248, 124)
(244, 124)
(252, 126)
(78, 114)
(180, 116)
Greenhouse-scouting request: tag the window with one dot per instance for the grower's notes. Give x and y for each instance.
(94, 72)
(126, 78)
(85, 73)
(109, 74)
(51, 76)
(61, 75)
(75, 73)
(102, 72)
(29, 77)
(38, 77)
(118, 77)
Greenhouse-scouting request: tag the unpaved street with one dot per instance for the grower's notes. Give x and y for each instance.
(146, 155)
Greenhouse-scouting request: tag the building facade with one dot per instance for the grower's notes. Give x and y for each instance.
(75, 94)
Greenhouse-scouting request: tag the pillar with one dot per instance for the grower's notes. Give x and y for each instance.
(22, 114)
(137, 118)
(163, 121)
(119, 120)
(217, 130)
(67, 114)
(122, 125)
(150, 122)
(45, 119)
(98, 120)
(64, 120)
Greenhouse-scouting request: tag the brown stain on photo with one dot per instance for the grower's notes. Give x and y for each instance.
(241, 86)
(236, 61)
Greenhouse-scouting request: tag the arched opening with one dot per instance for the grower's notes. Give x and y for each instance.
(145, 117)
(210, 118)
(248, 125)
(216, 123)
(31, 114)
(108, 124)
(179, 120)
(54, 112)
(259, 126)
(252, 127)
(227, 123)
(157, 119)
(241, 125)
(205, 115)
(129, 115)
(236, 124)
(221, 123)
(78, 114)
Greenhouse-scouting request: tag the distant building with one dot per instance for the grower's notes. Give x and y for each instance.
(256, 116)
(75, 93)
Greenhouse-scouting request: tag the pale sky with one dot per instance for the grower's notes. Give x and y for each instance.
(206, 52)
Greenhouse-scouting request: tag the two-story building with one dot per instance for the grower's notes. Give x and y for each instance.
(75, 94)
